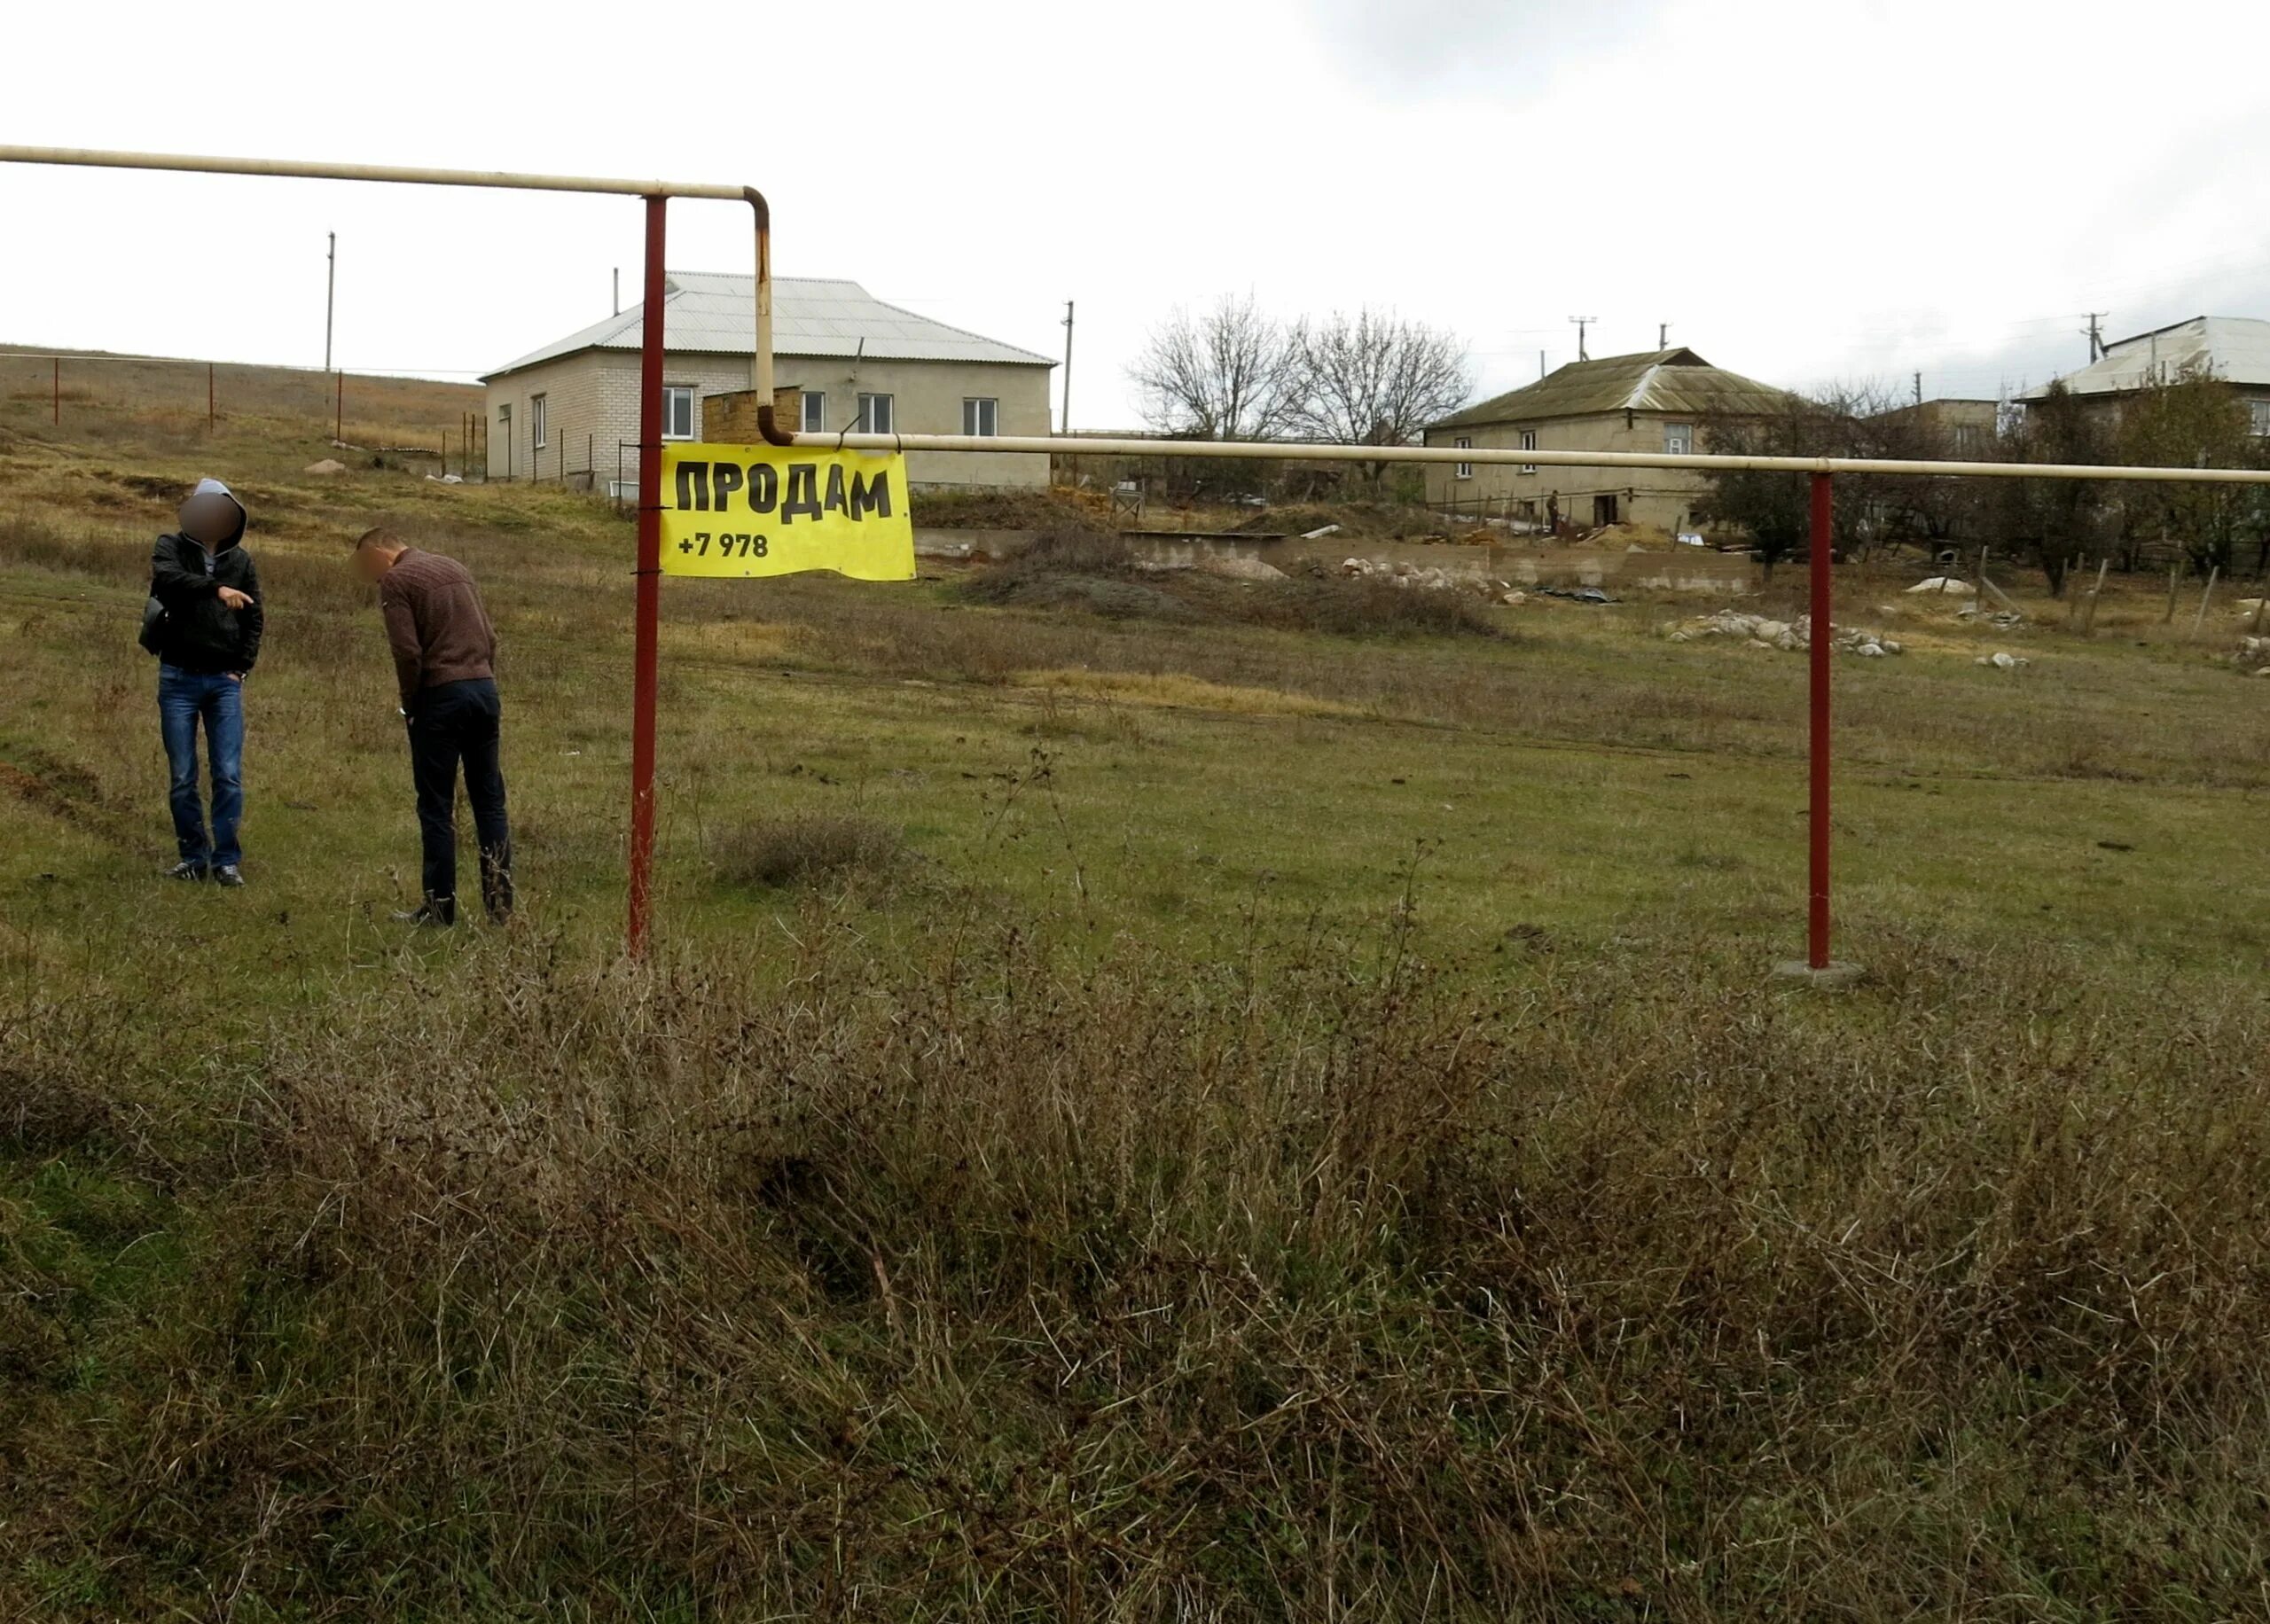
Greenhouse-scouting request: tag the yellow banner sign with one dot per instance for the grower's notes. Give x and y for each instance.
(777, 511)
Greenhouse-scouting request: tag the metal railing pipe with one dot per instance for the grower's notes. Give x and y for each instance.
(1700, 462)
(300, 169)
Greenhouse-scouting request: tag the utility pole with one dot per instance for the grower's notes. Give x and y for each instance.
(618, 289)
(2095, 334)
(330, 291)
(1581, 323)
(1540, 363)
(1919, 388)
(1663, 335)
(1067, 366)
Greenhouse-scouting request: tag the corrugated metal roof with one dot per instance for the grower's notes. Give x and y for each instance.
(1668, 381)
(707, 314)
(2237, 348)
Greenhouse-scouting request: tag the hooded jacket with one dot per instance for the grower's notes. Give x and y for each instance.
(200, 633)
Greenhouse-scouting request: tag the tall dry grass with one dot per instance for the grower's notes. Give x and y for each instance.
(1296, 1285)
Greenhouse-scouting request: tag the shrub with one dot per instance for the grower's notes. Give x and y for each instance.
(808, 847)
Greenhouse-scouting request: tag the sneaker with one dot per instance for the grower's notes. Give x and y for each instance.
(439, 912)
(186, 870)
(227, 874)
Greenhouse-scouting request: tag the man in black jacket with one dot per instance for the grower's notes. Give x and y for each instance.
(206, 646)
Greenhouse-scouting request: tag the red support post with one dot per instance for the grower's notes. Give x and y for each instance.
(646, 636)
(1822, 650)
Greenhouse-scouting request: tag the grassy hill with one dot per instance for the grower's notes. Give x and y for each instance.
(1240, 1102)
(147, 401)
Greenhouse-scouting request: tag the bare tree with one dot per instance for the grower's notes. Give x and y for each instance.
(1376, 379)
(1228, 374)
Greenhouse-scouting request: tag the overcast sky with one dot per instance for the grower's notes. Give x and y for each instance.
(1808, 192)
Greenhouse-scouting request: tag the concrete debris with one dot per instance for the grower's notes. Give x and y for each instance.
(445, 478)
(1426, 578)
(1763, 632)
(2008, 620)
(1318, 534)
(2002, 661)
(1239, 567)
(330, 465)
(1945, 584)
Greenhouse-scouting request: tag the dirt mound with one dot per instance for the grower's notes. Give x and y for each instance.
(1097, 573)
(1039, 508)
(1631, 536)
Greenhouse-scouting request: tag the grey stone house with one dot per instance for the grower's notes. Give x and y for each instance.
(570, 410)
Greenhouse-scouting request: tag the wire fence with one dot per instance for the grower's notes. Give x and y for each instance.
(380, 413)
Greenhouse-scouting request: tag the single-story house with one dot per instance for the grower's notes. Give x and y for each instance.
(843, 359)
(2234, 348)
(1656, 401)
(1963, 425)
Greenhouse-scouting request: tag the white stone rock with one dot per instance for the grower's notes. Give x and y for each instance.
(1945, 584)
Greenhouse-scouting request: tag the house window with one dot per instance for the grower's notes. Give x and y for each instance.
(1529, 443)
(2258, 412)
(815, 412)
(981, 416)
(1465, 442)
(677, 411)
(874, 415)
(1679, 440)
(1966, 434)
(535, 422)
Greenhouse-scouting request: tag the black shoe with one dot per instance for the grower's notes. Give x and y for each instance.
(439, 912)
(186, 870)
(227, 874)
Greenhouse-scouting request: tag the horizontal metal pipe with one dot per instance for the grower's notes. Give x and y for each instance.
(295, 168)
(1084, 446)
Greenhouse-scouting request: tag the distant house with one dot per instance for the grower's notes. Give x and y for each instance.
(843, 359)
(2234, 348)
(1965, 427)
(1656, 401)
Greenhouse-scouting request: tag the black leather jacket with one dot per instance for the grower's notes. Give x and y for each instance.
(200, 633)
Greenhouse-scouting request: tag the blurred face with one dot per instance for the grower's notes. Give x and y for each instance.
(208, 519)
(372, 562)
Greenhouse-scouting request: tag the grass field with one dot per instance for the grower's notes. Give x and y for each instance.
(1132, 1116)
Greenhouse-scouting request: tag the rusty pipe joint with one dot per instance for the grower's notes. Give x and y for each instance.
(768, 423)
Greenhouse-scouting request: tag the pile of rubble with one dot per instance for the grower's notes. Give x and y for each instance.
(2002, 661)
(1431, 578)
(1764, 632)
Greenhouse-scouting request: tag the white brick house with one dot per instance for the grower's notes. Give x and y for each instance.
(570, 410)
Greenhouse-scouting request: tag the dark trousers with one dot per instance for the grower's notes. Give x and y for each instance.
(454, 724)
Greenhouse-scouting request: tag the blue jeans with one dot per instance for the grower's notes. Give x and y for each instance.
(184, 699)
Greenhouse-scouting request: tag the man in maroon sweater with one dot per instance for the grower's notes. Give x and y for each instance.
(444, 650)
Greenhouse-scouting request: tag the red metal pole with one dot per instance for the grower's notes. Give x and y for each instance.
(648, 625)
(1816, 933)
